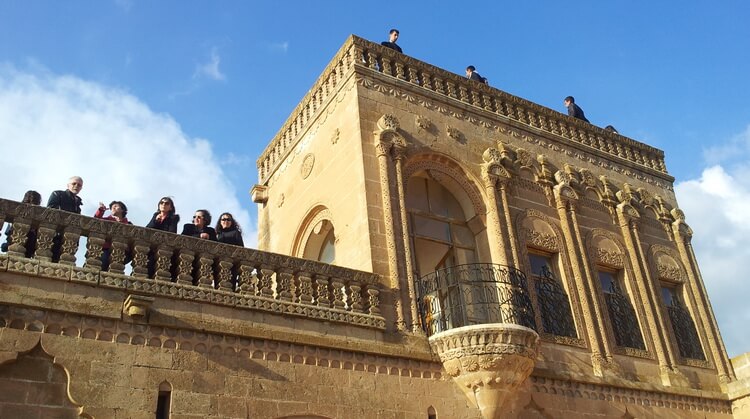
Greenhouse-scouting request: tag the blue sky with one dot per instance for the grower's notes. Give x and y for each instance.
(180, 97)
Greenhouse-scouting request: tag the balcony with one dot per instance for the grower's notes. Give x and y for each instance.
(479, 293)
(168, 265)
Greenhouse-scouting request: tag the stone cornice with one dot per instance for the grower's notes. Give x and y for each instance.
(372, 60)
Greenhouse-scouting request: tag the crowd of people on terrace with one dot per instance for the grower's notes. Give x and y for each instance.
(165, 218)
(471, 73)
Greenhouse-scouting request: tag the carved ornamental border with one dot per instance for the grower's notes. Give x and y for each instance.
(627, 395)
(115, 331)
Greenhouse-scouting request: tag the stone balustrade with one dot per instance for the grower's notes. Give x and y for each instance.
(182, 267)
(367, 56)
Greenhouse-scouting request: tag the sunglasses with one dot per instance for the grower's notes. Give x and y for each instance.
(226, 219)
(195, 217)
(165, 202)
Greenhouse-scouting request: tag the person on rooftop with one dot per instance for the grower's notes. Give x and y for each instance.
(574, 110)
(471, 74)
(391, 42)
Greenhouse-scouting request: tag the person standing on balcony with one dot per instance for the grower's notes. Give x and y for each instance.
(574, 110)
(471, 74)
(33, 198)
(165, 218)
(67, 200)
(200, 227)
(118, 213)
(228, 231)
(391, 42)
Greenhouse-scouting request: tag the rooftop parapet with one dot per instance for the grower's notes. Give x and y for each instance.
(369, 57)
(189, 268)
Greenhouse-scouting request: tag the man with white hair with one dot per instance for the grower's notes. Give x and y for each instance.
(68, 200)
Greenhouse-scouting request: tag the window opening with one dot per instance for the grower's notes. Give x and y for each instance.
(552, 300)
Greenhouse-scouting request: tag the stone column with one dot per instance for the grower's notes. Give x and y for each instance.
(593, 315)
(399, 152)
(382, 148)
(495, 235)
(683, 235)
(629, 219)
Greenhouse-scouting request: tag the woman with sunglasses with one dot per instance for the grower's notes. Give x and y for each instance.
(229, 231)
(165, 218)
(200, 227)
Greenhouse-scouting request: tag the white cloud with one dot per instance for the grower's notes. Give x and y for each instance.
(717, 207)
(211, 68)
(53, 127)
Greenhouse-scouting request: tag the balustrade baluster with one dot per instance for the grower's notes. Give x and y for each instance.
(339, 296)
(373, 300)
(451, 89)
(18, 238)
(400, 71)
(285, 285)
(69, 247)
(305, 291)
(487, 100)
(322, 293)
(94, 250)
(463, 94)
(185, 267)
(118, 255)
(476, 98)
(355, 296)
(224, 277)
(247, 280)
(205, 271)
(438, 84)
(427, 81)
(413, 75)
(163, 256)
(387, 67)
(265, 281)
(44, 241)
(140, 259)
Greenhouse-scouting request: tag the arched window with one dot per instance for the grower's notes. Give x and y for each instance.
(439, 232)
(321, 243)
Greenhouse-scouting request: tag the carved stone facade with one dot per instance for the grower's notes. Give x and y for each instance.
(412, 170)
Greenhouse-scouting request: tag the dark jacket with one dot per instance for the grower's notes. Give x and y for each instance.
(576, 112)
(192, 230)
(391, 45)
(168, 224)
(65, 200)
(477, 77)
(231, 236)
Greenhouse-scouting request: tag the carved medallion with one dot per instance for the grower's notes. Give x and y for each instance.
(307, 165)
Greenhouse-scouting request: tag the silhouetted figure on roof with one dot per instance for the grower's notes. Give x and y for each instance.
(391, 42)
(574, 110)
(471, 74)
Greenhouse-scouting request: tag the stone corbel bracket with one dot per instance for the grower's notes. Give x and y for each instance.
(136, 308)
(488, 361)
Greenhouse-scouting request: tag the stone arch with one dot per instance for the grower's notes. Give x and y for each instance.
(41, 386)
(452, 175)
(666, 264)
(312, 232)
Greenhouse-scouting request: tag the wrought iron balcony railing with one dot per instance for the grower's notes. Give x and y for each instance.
(478, 293)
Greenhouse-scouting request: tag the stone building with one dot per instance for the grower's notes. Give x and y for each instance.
(429, 247)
